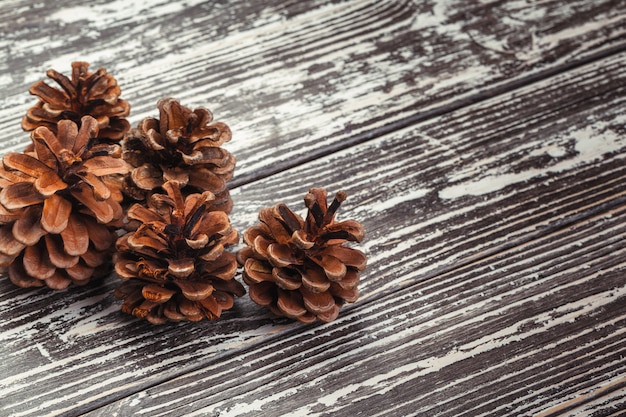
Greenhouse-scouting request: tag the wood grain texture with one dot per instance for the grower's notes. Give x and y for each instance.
(304, 77)
(521, 333)
(495, 283)
(496, 185)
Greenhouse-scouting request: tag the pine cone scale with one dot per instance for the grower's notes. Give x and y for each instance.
(105, 211)
(334, 269)
(8, 216)
(263, 293)
(348, 294)
(206, 179)
(25, 163)
(104, 165)
(126, 269)
(75, 237)
(314, 280)
(50, 140)
(291, 303)
(149, 241)
(212, 306)
(80, 273)
(196, 290)
(49, 184)
(175, 174)
(256, 271)
(55, 214)
(261, 246)
(225, 300)
(36, 262)
(292, 222)
(229, 287)
(48, 94)
(142, 214)
(317, 302)
(57, 254)
(347, 256)
(100, 190)
(95, 258)
(350, 281)
(330, 315)
(100, 236)
(20, 195)
(147, 177)
(143, 309)
(63, 82)
(66, 137)
(210, 223)
(9, 245)
(278, 230)
(223, 267)
(27, 229)
(19, 277)
(287, 279)
(281, 255)
(58, 281)
(156, 293)
(181, 268)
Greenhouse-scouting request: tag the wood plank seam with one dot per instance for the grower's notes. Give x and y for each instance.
(577, 402)
(472, 98)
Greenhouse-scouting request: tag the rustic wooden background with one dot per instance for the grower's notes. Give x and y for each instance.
(482, 145)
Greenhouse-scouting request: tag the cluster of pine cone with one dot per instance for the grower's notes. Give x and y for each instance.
(153, 199)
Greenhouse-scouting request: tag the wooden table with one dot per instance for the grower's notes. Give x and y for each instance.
(481, 144)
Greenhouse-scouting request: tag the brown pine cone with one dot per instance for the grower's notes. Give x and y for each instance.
(301, 268)
(182, 146)
(174, 265)
(94, 94)
(55, 206)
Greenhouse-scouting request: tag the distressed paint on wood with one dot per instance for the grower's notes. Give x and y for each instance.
(305, 76)
(514, 334)
(416, 232)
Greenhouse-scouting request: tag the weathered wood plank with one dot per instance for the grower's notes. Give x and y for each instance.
(301, 77)
(435, 197)
(531, 330)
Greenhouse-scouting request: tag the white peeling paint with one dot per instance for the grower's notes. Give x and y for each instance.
(592, 143)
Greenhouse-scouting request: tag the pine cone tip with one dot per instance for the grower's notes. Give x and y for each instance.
(85, 93)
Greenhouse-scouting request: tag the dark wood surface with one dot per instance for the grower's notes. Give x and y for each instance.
(482, 145)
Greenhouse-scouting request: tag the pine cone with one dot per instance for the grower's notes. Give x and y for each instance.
(174, 264)
(183, 146)
(93, 94)
(301, 268)
(55, 206)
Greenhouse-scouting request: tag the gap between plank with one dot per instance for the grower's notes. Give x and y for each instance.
(582, 400)
(375, 133)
